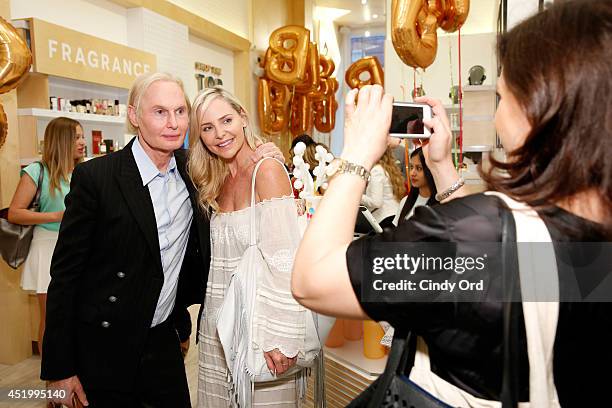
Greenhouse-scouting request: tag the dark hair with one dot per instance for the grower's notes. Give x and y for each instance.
(414, 191)
(305, 138)
(557, 64)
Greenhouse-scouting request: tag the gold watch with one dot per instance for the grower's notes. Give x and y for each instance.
(340, 166)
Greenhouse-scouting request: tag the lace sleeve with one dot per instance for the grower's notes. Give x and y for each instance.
(279, 319)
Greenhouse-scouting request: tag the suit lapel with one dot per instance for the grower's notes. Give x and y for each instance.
(139, 201)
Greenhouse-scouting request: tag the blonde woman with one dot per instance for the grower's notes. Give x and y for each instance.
(385, 189)
(64, 148)
(221, 168)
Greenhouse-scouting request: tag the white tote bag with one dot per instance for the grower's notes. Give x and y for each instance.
(245, 359)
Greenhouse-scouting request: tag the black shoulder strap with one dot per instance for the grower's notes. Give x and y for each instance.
(36, 202)
(511, 321)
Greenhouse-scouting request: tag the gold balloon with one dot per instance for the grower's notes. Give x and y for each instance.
(15, 57)
(455, 15)
(311, 79)
(414, 24)
(366, 64)
(301, 115)
(287, 55)
(3, 126)
(273, 106)
(325, 108)
(327, 66)
(15, 61)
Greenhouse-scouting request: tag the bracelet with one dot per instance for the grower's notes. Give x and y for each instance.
(454, 187)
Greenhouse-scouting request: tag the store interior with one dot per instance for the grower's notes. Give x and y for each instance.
(87, 53)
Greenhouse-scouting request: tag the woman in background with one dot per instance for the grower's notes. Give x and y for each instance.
(423, 191)
(385, 189)
(63, 149)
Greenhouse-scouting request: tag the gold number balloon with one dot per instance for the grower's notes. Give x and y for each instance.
(366, 64)
(301, 115)
(325, 107)
(312, 75)
(297, 88)
(273, 106)
(15, 61)
(287, 54)
(414, 24)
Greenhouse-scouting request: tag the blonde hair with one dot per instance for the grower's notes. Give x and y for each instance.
(140, 87)
(388, 163)
(58, 150)
(206, 169)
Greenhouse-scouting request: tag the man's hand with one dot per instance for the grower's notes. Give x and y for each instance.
(185, 348)
(71, 385)
(267, 150)
(277, 362)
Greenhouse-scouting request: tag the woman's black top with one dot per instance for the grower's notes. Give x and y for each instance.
(465, 336)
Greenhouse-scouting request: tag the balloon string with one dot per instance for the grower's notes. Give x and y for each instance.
(460, 101)
(414, 91)
(291, 107)
(407, 165)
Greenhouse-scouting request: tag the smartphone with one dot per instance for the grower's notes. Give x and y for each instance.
(407, 120)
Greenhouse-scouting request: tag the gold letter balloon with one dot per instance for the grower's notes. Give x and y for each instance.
(297, 90)
(15, 61)
(414, 24)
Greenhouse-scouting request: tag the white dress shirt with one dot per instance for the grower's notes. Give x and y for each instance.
(173, 215)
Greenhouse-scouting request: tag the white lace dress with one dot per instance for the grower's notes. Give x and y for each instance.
(281, 323)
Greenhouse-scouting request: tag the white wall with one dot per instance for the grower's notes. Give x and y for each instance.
(99, 18)
(477, 49)
(203, 51)
(233, 15)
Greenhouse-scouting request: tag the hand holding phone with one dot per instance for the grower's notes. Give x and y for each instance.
(407, 120)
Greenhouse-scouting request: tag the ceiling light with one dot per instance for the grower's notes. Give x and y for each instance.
(374, 15)
(367, 34)
(366, 14)
(364, 2)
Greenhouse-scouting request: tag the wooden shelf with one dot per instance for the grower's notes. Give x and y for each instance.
(475, 149)
(479, 88)
(81, 117)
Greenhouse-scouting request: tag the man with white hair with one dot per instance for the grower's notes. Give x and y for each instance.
(133, 252)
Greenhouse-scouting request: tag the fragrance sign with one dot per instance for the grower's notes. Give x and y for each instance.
(67, 53)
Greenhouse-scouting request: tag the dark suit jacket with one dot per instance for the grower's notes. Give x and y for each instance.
(107, 274)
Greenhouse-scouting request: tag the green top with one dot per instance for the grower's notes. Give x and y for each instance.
(48, 202)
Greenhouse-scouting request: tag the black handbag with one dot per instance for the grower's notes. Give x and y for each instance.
(15, 239)
(394, 389)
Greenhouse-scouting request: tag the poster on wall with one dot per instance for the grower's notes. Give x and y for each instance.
(207, 76)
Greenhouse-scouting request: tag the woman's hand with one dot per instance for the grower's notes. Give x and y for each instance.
(58, 216)
(437, 149)
(366, 125)
(277, 362)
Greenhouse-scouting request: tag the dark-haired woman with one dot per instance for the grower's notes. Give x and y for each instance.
(423, 191)
(554, 120)
(64, 148)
